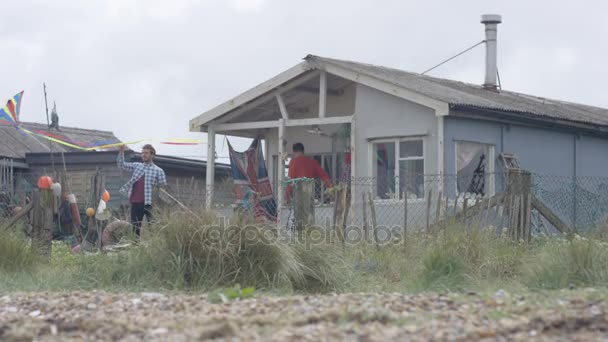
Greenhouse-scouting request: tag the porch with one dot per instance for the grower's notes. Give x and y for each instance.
(302, 104)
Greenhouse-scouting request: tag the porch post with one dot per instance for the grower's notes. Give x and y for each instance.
(281, 172)
(322, 94)
(353, 165)
(440, 152)
(210, 175)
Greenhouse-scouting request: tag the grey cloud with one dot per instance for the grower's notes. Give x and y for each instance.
(144, 68)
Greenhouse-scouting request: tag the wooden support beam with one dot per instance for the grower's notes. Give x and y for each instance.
(282, 107)
(473, 210)
(264, 98)
(549, 215)
(288, 123)
(26, 210)
(314, 90)
(239, 126)
(324, 121)
(290, 78)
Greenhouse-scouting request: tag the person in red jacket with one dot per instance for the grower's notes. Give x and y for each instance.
(302, 166)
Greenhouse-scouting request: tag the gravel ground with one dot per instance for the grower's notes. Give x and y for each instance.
(78, 316)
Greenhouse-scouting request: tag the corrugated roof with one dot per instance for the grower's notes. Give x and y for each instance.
(460, 94)
(15, 144)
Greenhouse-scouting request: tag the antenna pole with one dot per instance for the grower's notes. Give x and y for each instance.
(46, 104)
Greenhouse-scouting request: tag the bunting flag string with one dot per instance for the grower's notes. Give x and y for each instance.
(9, 114)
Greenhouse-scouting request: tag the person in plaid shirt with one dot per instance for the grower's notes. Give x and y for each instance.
(144, 177)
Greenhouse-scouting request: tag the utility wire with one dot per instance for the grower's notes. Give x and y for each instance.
(449, 59)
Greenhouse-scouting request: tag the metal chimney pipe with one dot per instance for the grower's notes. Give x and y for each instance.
(491, 22)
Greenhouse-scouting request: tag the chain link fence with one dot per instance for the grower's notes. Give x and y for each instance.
(580, 202)
(417, 203)
(423, 202)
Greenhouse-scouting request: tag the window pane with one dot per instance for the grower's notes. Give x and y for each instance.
(471, 160)
(411, 177)
(410, 149)
(384, 169)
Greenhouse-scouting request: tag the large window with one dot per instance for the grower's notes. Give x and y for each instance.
(398, 166)
(474, 168)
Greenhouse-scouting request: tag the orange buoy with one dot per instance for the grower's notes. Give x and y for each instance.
(45, 182)
(106, 196)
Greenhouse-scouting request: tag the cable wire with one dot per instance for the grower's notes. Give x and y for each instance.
(457, 55)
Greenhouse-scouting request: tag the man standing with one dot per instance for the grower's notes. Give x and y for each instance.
(302, 166)
(144, 176)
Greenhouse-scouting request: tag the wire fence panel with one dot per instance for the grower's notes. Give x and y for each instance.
(422, 202)
(540, 203)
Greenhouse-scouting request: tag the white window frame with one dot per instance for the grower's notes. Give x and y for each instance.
(490, 174)
(397, 196)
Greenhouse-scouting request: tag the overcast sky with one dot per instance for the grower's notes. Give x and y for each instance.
(144, 68)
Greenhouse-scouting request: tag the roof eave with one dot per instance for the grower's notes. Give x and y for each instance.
(199, 123)
(476, 112)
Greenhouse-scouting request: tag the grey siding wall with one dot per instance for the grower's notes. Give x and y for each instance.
(541, 151)
(591, 157)
(379, 115)
(545, 151)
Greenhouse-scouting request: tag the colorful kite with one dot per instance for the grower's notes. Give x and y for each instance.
(10, 114)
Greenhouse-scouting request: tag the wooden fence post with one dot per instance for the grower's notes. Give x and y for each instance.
(42, 222)
(520, 186)
(404, 215)
(304, 209)
(438, 214)
(365, 227)
(374, 225)
(428, 211)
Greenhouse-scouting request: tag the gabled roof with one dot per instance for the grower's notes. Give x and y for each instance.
(445, 96)
(15, 144)
(463, 95)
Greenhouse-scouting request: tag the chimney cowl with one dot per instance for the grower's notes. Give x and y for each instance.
(491, 19)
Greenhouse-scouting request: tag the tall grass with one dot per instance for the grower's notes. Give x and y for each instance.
(15, 253)
(569, 263)
(182, 251)
(202, 251)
